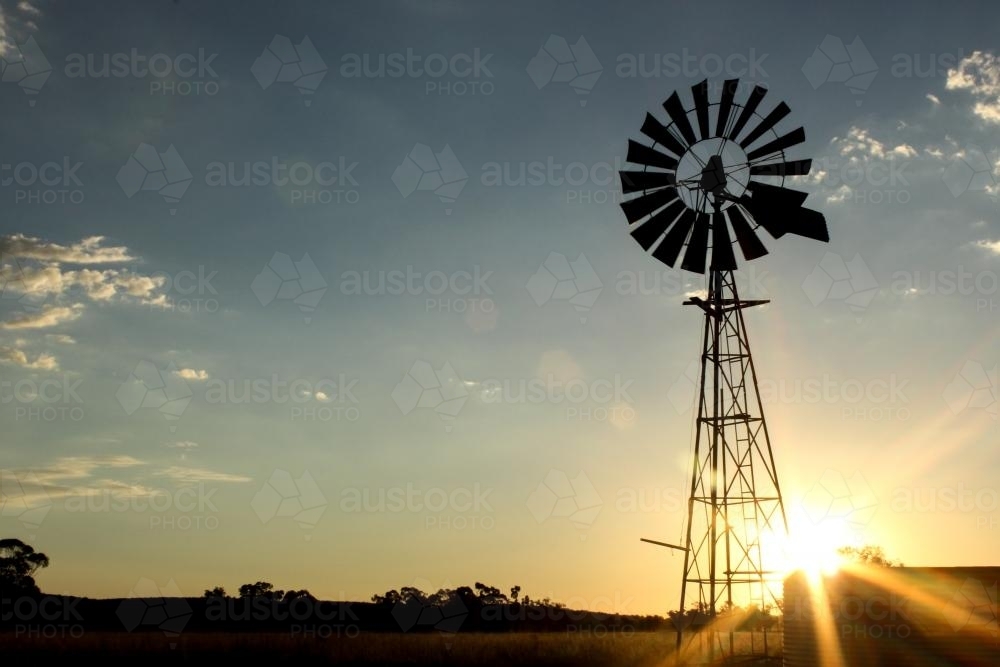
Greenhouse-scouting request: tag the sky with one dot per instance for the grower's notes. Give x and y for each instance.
(340, 296)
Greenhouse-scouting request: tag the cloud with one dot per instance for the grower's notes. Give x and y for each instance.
(42, 362)
(979, 74)
(49, 316)
(183, 444)
(989, 246)
(62, 339)
(933, 98)
(192, 374)
(51, 280)
(195, 475)
(860, 144)
(87, 251)
(81, 467)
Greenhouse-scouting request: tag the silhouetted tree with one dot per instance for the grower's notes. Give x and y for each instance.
(217, 592)
(18, 564)
(261, 589)
(514, 592)
(868, 555)
(294, 595)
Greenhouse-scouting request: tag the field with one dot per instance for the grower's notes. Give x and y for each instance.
(638, 649)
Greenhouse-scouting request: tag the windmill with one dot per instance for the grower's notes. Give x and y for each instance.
(712, 178)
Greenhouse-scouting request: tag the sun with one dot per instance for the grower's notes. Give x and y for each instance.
(811, 548)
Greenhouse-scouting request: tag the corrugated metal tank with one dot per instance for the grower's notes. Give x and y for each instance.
(874, 617)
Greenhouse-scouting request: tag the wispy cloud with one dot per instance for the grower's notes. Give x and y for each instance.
(62, 339)
(49, 316)
(193, 374)
(195, 475)
(88, 251)
(989, 246)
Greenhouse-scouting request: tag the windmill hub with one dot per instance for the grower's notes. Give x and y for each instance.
(712, 171)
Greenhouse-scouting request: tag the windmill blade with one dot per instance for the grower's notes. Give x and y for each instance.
(670, 247)
(639, 154)
(810, 224)
(700, 93)
(635, 181)
(756, 95)
(773, 197)
(656, 131)
(723, 258)
(789, 168)
(750, 243)
(643, 205)
(697, 249)
(770, 121)
(729, 89)
(796, 136)
(677, 114)
(648, 232)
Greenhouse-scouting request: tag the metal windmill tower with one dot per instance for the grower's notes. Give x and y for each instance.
(698, 189)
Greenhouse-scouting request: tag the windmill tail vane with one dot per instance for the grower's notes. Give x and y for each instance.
(709, 178)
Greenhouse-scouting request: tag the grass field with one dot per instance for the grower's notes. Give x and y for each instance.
(640, 649)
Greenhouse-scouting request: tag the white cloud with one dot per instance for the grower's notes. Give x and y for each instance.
(183, 444)
(42, 362)
(979, 74)
(87, 251)
(933, 98)
(62, 339)
(989, 246)
(194, 475)
(49, 316)
(192, 374)
(859, 144)
(81, 467)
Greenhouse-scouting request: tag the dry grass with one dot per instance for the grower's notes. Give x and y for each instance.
(640, 649)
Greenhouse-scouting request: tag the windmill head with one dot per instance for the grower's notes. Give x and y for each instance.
(712, 178)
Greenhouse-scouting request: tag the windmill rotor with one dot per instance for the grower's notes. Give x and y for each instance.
(709, 186)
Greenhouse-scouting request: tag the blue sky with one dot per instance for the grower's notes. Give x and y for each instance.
(905, 218)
